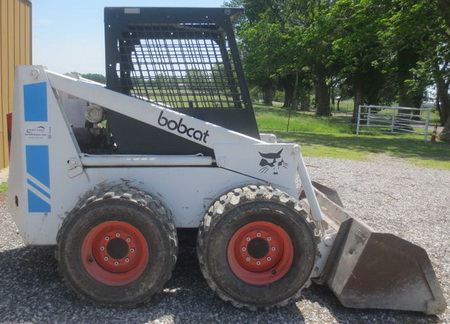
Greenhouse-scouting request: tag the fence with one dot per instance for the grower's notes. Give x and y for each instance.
(393, 120)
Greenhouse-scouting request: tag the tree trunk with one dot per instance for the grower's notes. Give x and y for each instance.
(357, 101)
(444, 6)
(445, 135)
(295, 94)
(444, 100)
(267, 96)
(288, 96)
(323, 97)
(288, 83)
(438, 108)
(305, 101)
(332, 94)
(405, 61)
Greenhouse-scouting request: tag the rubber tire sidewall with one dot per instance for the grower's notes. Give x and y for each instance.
(158, 242)
(217, 239)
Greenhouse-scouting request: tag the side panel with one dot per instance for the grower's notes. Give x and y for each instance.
(275, 163)
(38, 178)
(187, 191)
(41, 177)
(35, 102)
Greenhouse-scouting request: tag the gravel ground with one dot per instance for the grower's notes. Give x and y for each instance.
(391, 196)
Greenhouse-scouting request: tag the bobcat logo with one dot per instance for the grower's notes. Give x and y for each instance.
(272, 162)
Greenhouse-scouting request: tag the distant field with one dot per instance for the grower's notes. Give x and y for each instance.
(334, 137)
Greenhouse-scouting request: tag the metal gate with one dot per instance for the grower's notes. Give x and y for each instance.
(393, 120)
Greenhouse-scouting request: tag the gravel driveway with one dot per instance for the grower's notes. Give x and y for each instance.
(391, 196)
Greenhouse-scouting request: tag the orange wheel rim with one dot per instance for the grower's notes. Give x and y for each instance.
(115, 253)
(260, 253)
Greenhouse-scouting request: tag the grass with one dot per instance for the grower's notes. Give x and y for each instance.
(275, 120)
(334, 137)
(3, 188)
(183, 98)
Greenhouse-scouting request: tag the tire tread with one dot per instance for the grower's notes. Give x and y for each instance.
(224, 204)
(141, 199)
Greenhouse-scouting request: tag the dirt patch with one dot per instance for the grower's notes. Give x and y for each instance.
(4, 175)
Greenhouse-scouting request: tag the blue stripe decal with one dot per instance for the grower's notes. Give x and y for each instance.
(38, 167)
(38, 163)
(35, 102)
(36, 204)
(35, 186)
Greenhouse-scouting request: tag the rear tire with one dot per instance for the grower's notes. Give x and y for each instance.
(256, 247)
(118, 250)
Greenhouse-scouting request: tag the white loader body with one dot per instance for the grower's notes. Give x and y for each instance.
(49, 174)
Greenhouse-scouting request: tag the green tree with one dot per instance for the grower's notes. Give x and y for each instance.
(358, 45)
(421, 31)
(284, 41)
(441, 69)
(313, 35)
(261, 42)
(379, 50)
(95, 77)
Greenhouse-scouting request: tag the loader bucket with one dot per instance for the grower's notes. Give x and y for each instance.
(377, 270)
(366, 269)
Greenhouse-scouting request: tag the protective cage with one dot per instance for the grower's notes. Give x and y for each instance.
(181, 58)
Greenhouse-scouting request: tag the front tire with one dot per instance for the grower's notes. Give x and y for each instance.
(118, 249)
(256, 247)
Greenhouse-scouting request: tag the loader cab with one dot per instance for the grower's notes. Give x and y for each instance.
(185, 59)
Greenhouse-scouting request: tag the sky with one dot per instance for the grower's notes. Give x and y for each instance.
(68, 36)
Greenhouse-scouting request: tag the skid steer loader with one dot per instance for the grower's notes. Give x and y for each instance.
(111, 175)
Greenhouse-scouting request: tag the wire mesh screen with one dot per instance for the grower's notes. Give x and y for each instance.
(179, 65)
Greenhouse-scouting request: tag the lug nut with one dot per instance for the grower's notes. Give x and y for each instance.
(248, 239)
(269, 239)
(247, 259)
(244, 248)
(127, 260)
(273, 248)
(269, 259)
(258, 262)
(116, 263)
(132, 250)
(128, 240)
(106, 238)
(117, 234)
(102, 248)
(258, 234)
(106, 258)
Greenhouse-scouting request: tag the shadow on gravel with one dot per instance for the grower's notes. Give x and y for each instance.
(31, 291)
(324, 298)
